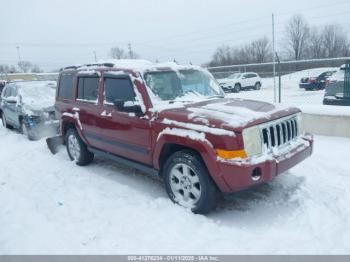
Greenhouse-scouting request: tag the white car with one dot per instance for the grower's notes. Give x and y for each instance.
(239, 81)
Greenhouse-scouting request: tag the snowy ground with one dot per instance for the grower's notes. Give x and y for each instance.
(51, 206)
(290, 92)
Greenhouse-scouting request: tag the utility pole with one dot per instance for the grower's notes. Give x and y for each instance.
(274, 58)
(95, 56)
(18, 54)
(279, 79)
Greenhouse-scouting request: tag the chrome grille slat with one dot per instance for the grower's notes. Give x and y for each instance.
(279, 132)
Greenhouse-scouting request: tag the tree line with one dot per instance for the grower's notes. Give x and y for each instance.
(301, 41)
(22, 67)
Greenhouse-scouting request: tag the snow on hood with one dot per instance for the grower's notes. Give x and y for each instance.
(38, 95)
(227, 113)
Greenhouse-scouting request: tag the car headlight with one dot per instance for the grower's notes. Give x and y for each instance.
(300, 123)
(252, 141)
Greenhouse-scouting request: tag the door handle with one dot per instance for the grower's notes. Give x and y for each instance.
(105, 114)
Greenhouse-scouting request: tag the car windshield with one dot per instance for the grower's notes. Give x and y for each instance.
(171, 85)
(37, 94)
(236, 75)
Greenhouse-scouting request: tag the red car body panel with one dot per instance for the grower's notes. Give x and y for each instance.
(139, 138)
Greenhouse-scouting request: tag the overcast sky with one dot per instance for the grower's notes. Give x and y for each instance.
(53, 34)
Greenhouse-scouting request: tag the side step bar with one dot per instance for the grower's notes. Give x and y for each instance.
(139, 166)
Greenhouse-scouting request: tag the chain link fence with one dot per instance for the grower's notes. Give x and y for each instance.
(292, 73)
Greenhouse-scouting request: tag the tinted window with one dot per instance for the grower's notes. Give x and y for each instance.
(65, 87)
(119, 88)
(88, 88)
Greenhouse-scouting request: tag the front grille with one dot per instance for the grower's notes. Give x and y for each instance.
(279, 133)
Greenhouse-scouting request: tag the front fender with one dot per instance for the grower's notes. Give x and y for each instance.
(72, 119)
(202, 146)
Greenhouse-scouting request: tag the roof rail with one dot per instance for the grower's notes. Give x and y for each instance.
(88, 65)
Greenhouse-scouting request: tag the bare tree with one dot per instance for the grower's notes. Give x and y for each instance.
(4, 69)
(260, 50)
(24, 66)
(297, 34)
(117, 53)
(315, 47)
(120, 53)
(222, 56)
(335, 41)
(36, 69)
(131, 53)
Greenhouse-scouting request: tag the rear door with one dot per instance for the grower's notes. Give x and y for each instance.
(245, 80)
(124, 134)
(87, 106)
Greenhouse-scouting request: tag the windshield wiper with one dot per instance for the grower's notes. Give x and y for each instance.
(216, 96)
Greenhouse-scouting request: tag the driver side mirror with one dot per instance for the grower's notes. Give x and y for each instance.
(11, 100)
(128, 107)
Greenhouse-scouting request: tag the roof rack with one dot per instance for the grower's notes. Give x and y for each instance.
(88, 65)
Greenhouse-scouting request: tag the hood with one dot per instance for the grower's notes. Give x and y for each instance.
(224, 80)
(37, 111)
(229, 114)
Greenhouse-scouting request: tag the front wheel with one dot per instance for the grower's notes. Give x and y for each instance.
(257, 86)
(188, 183)
(4, 122)
(77, 150)
(27, 132)
(237, 88)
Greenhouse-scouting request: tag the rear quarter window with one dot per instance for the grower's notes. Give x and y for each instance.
(65, 86)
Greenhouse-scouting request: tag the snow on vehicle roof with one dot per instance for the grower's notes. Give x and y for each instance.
(140, 65)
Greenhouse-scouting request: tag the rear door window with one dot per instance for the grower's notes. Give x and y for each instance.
(65, 86)
(88, 88)
(118, 88)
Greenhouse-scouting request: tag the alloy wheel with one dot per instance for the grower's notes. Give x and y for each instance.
(185, 185)
(74, 147)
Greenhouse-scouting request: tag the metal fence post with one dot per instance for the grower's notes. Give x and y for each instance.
(347, 80)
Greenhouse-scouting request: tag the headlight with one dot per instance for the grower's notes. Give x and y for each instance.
(301, 129)
(252, 141)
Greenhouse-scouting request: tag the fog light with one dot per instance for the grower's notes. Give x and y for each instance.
(256, 174)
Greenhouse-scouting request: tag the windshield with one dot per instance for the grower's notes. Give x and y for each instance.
(236, 75)
(171, 85)
(37, 94)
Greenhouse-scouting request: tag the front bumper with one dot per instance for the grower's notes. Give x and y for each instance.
(226, 88)
(240, 175)
(38, 129)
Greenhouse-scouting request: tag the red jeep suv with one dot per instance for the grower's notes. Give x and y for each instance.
(174, 121)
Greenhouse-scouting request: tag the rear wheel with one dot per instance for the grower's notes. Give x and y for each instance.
(188, 183)
(77, 150)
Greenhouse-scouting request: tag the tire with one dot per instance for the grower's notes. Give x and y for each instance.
(237, 88)
(76, 149)
(4, 122)
(188, 183)
(28, 133)
(257, 86)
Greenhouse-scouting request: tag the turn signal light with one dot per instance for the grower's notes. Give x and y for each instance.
(231, 154)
